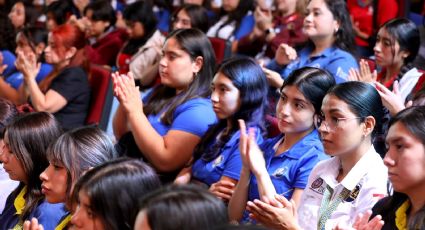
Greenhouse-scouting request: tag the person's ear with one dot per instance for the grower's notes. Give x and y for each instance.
(70, 53)
(197, 64)
(369, 125)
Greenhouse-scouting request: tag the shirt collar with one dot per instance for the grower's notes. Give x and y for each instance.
(308, 141)
(361, 168)
(353, 177)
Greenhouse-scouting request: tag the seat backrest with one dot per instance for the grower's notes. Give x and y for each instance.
(222, 48)
(101, 96)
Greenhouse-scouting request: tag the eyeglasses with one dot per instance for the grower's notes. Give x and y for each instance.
(334, 122)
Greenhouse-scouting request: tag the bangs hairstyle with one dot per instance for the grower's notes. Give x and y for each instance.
(102, 11)
(29, 137)
(312, 82)
(79, 150)
(141, 11)
(196, 44)
(406, 34)
(249, 78)
(113, 189)
(198, 16)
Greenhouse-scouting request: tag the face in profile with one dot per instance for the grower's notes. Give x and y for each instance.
(341, 130)
(83, 217)
(225, 96)
(17, 15)
(405, 159)
(55, 179)
(11, 164)
(176, 68)
(319, 22)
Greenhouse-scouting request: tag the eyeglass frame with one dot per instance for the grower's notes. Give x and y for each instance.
(326, 123)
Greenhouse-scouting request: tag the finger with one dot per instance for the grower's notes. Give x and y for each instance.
(281, 199)
(375, 222)
(409, 104)
(266, 208)
(243, 137)
(259, 211)
(374, 75)
(223, 196)
(396, 87)
(27, 225)
(381, 88)
(225, 183)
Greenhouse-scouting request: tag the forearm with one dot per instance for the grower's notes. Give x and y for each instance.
(239, 198)
(119, 123)
(265, 186)
(9, 93)
(153, 145)
(38, 99)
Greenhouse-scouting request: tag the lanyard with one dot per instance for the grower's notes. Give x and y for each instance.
(328, 206)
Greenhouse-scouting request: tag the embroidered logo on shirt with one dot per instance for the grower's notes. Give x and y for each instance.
(218, 160)
(318, 186)
(354, 193)
(280, 172)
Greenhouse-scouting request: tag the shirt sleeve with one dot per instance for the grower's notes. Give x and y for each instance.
(49, 215)
(195, 116)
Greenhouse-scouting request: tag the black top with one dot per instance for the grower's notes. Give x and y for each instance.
(72, 84)
(387, 207)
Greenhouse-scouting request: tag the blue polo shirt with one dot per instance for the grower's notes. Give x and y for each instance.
(246, 26)
(47, 214)
(8, 59)
(334, 60)
(228, 163)
(16, 79)
(194, 116)
(290, 169)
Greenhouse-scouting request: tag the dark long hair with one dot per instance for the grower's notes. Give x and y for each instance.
(196, 44)
(198, 16)
(238, 14)
(413, 119)
(248, 77)
(140, 11)
(312, 82)
(29, 137)
(407, 35)
(185, 206)
(344, 37)
(363, 100)
(79, 150)
(113, 189)
(8, 112)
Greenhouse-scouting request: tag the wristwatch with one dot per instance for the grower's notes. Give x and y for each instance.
(269, 31)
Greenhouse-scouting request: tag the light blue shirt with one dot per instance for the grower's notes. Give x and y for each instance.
(336, 61)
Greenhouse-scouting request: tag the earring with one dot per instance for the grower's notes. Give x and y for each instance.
(336, 30)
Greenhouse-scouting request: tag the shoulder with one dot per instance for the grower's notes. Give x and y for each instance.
(339, 54)
(199, 102)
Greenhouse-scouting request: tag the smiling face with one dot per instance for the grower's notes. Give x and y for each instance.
(294, 112)
(83, 218)
(176, 68)
(405, 159)
(225, 96)
(344, 137)
(54, 186)
(319, 22)
(387, 50)
(11, 164)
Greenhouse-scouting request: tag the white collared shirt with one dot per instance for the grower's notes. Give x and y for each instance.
(367, 182)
